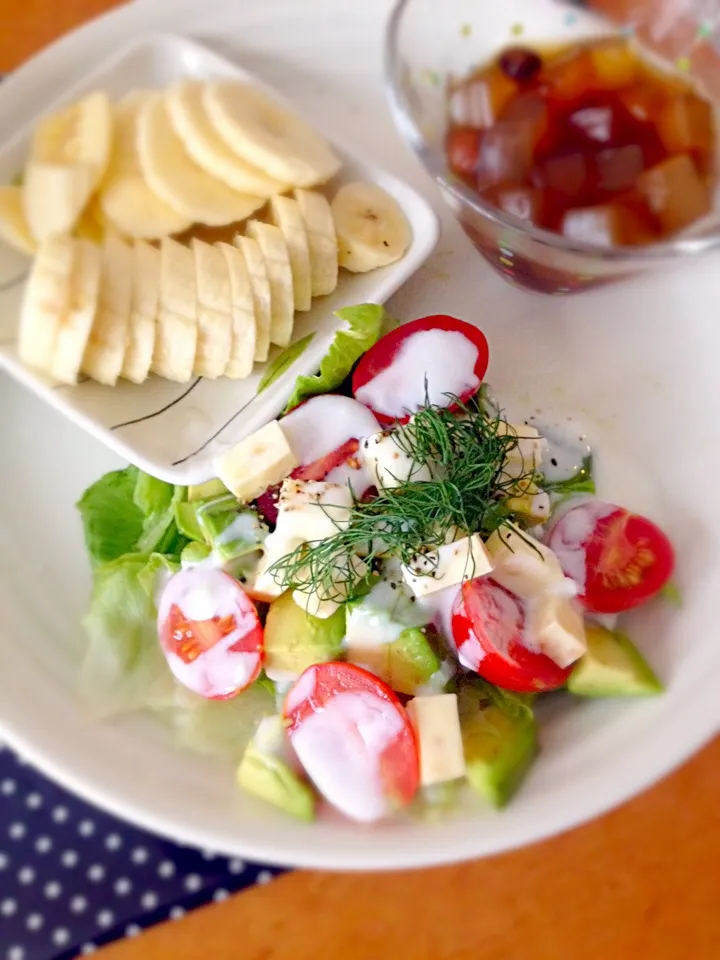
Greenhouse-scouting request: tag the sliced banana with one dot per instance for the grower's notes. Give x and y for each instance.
(46, 300)
(80, 134)
(277, 260)
(215, 307)
(14, 229)
(244, 331)
(77, 321)
(105, 350)
(286, 216)
(126, 200)
(269, 136)
(68, 157)
(372, 231)
(260, 283)
(143, 312)
(92, 225)
(208, 149)
(178, 180)
(54, 195)
(322, 241)
(177, 327)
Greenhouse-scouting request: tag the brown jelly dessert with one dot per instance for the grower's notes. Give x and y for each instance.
(592, 142)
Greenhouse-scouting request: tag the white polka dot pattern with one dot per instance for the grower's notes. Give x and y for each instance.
(73, 878)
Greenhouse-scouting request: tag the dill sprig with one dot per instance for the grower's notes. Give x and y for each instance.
(466, 450)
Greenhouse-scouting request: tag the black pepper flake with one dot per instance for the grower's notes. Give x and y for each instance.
(553, 461)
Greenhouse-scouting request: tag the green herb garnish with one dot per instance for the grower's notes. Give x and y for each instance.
(466, 451)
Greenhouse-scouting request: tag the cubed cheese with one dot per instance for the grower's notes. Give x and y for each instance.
(256, 463)
(530, 501)
(526, 456)
(437, 727)
(522, 565)
(312, 510)
(556, 628)
(387, 462)
(449, 564)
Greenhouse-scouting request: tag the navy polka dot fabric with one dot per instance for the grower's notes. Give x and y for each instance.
(73, 878)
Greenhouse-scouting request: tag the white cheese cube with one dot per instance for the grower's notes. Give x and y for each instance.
(388, 464)
(556, 628)
(437, 727)
(312, 510)
(522, 565)
(257, 462)
(527, 455)
(449, 564)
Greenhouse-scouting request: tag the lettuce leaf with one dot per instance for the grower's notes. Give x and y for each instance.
(152, 495)
(112, 521)
(365, 325)
(124, 668)
(283, 361)
(220, 727)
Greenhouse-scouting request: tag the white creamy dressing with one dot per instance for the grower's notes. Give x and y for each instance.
(569, 539)
(301, 691)
(446, 358)
(324, 424)
(470, 652)
(340, 748)
(565, 447)
(383, 615)
(245, 528)
(438, 681)
(283, 678)
(201, 594)
(438, 607)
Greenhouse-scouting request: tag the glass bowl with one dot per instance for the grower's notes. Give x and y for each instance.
(429, 45)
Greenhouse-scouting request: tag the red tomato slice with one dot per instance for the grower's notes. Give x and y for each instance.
(354, 740)
(210, 632)
(388, 351)
(487, 624)
(618, 559)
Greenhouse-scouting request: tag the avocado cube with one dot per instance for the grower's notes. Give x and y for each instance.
(499, 740)
(612, 667)
(294, 639)
(232, 532)
(204, 491)
(272, 780)
(411, 661)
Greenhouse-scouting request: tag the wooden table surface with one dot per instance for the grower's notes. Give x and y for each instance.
(641, 883)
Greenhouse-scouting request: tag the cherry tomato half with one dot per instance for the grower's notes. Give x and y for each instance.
(488, 624)
(402, 393)
(354, 740)
(618, 559)
(210, 632)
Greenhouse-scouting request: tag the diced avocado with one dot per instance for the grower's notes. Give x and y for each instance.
(499, 740)
(406, 664)
(203, 491)
(231, 531)
(269, 778)
(194, 553)
(187, 521)
(411, 660)
(612, 667)
(294, 639)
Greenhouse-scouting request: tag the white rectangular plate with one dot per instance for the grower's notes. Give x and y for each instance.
(171, 430)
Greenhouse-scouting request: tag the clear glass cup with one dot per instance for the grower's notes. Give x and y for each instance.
(430, 43)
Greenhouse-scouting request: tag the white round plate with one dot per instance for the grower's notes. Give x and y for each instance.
(636, 363)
